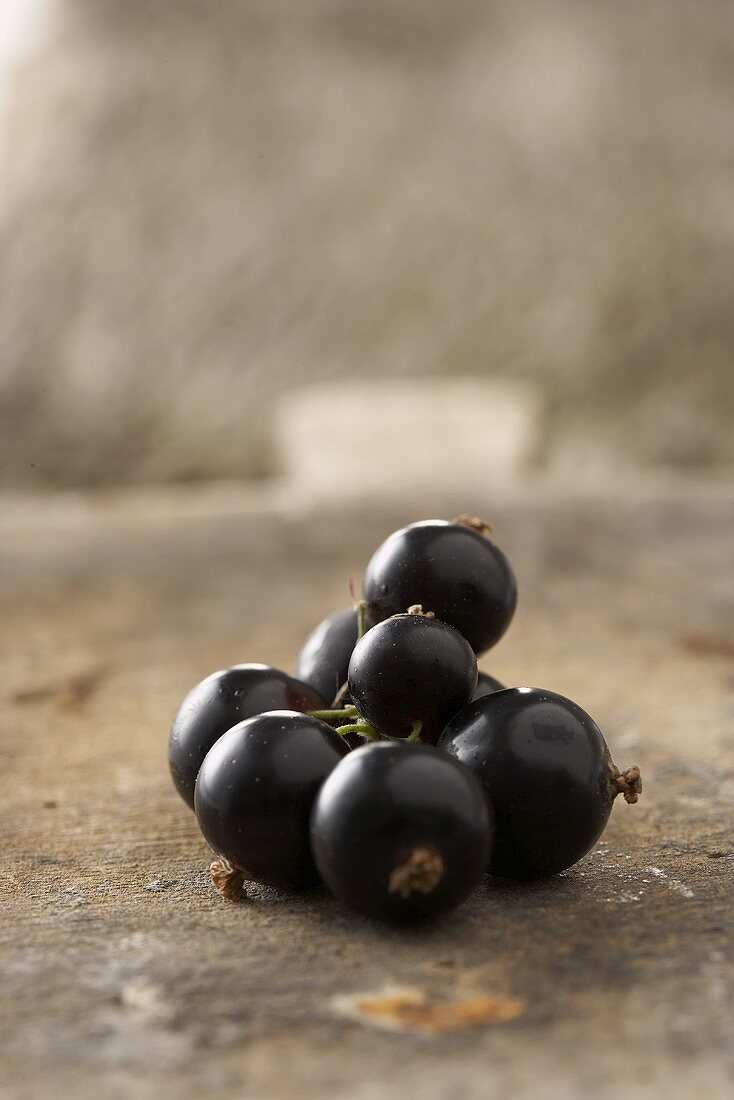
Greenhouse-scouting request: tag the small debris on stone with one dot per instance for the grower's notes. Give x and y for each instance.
(411, 1010)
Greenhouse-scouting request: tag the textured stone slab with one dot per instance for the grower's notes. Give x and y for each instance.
(124, 975)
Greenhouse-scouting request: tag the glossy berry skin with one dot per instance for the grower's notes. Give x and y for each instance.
(451, 570)
(486, 684)
(255, 792)
(545, 765)
(220, 702)
(410, 669)
(401, 831)
(324, 659)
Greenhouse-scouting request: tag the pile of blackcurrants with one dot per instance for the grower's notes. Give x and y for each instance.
(423, 774)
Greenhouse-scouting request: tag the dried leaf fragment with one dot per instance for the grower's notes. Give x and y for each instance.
(409, 1009)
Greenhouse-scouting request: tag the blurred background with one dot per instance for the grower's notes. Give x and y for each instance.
(241, 239)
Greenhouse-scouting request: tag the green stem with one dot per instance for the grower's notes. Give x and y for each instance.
(342, 712)
(415, 733)
(363, 728)
(361, 615)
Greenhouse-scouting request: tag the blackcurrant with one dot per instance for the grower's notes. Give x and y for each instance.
(324, 659)
(410, 674)
(220, 702)
(255, 791)
(486, 684)
(401, 831)
(451, 569)
(546, 767)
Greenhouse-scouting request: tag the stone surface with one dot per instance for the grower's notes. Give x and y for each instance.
(204, 205)
(124, 975)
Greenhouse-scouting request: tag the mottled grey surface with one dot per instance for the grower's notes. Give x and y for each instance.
(206, 204)
(124, 975)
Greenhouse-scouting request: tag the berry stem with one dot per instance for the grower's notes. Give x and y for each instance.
(227, 880)
(415, 733)
(361, 617)
(419, 873)
(354, 722)
(475, 523)
(417, 609)
(361, 727)
(342, 712)
(627, 783)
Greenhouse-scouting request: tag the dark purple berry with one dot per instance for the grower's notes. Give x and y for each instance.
(401, 831)
(220, 702)
(255, 792)
(410, 674)
(546, 767)
(324, 658)
(451, 569)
